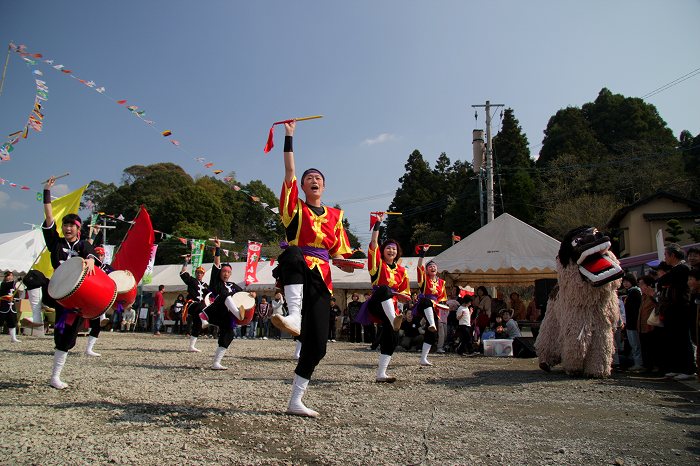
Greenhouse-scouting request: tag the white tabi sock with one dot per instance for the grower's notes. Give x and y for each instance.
(59, 360)
(297, 350)
(192, 349)
(90, 344)
(13, 335)
(382, 366)
(424, 355)
(218, 356)
(296, 407)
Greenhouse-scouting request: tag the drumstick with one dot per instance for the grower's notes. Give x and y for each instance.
(388, 213)
(313, 117)
(57, 177)
(223, 241)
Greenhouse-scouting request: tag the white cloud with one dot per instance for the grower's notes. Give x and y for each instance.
(59, 190)
(7, 203)
(382, 138)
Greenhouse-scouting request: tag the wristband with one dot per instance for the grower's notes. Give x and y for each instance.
(288, 144)
(217, 252)
(47, 196)
(421, 253)
(377, 226)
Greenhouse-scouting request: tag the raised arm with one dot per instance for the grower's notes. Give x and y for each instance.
(48, 210)
(217, 252)
(185, 264)
(289, 152)
(421, 255)
(375, 231)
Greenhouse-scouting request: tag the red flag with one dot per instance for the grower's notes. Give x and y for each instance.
(209, 165)
(373, 219)
(183, 241)
(121, 102)
(251, 268)
(270, 142)
(456, 238)
(135, 251)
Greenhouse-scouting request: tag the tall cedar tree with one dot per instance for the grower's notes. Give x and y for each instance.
(513, 170)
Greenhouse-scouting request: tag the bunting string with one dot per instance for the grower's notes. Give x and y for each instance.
(38, 59)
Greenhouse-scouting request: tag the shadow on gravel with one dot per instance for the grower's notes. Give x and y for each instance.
(11, 385)
(29, 352)
(259, 359)
(150, 350)
(163, 415)
(500, 377)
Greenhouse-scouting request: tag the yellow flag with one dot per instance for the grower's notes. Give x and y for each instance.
(68, 204)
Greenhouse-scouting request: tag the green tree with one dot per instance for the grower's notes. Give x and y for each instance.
(675, 231)
(513, 165)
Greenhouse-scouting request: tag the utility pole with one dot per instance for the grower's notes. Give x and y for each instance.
(489, 161)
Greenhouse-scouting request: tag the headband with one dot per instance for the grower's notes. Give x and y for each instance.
(312, 170)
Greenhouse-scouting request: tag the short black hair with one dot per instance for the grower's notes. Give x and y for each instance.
(630, 278)
(648, 280)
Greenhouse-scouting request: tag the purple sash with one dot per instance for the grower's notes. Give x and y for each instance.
(319, 253)
(431, 297)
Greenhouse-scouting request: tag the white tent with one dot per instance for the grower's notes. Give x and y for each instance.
(19, 250)
(506, 251)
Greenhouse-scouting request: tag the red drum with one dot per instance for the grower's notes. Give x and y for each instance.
(348, 263)
(73, 288)
(126, 288)
(244, 300)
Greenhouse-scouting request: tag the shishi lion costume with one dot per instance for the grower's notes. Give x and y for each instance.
(582, 310)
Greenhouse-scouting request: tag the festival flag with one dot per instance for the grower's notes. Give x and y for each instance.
(121, 102)
(68, 204)
(135, 251)
(166, 133)
(456, 238)
(251, 268)
(217, 172)
(208, 165)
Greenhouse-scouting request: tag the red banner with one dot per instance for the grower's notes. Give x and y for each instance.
(251, 267)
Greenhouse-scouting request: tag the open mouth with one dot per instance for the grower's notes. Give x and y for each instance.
(315, 187)
(597, 265)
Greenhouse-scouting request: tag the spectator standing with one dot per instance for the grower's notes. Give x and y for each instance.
(532, 314)
(649, 335)
(518, 307)
(333, 316)
(694, 285)
(277, 305)
(355, 327)
(482, 301)
(370, 329)
(253, 325)
(176, 309)
(158, 308)
(673, 303)
(694, 258)
(264, 313)
(633, 303)
(464, 330)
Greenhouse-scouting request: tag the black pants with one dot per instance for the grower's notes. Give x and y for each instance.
(193, 311)
(8, 317)
(220, 316)
(464, 332)
(95, 327)
(370, 333)
(355, 332)
(292, 270)
(424, 306)
(64, 338)
(388, 338)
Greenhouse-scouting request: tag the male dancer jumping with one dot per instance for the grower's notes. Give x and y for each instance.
(315, 234)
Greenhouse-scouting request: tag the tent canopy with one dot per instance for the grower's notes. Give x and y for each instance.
(19, 250)
(506, 251)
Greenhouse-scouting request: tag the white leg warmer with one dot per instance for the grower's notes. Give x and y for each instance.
(218, 356)
(424, 355)
(192, 349)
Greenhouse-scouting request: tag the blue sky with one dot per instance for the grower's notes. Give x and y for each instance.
(389, 76)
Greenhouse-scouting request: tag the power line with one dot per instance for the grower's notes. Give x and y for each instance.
(670, 84)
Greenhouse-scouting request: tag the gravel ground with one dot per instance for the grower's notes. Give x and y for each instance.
(147, 401)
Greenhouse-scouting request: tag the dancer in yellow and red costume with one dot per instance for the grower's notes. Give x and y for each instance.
(389, 282)
(432, 297)
(315, 234)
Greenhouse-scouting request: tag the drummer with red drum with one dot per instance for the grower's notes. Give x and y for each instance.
(62, 248)
(431, 300)
(223, 311)
(96, 323)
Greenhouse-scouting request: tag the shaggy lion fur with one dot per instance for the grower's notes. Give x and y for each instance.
(577, 330)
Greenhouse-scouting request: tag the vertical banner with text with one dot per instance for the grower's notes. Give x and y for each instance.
(251, 267)
(197, 253)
